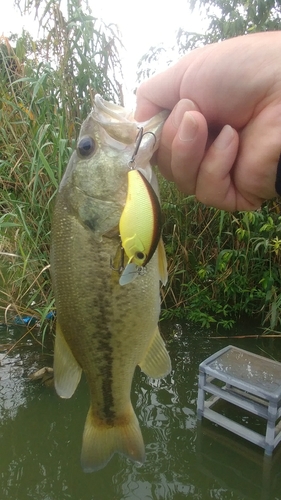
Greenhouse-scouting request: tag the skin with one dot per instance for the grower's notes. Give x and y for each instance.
(222, 139)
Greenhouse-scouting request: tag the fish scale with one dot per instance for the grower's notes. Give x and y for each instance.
(103, 328)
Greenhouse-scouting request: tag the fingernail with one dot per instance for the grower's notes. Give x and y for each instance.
(188, 128)
(179, 110)
(224, 138)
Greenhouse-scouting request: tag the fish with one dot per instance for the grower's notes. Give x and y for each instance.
(102, 328)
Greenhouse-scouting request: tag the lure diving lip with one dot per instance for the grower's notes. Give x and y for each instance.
(140, 222)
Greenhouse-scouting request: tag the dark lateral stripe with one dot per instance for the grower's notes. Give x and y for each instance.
(157, 217)
(107, 378)
(106, 356)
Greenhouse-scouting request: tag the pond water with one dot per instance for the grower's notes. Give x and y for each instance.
(40, 434)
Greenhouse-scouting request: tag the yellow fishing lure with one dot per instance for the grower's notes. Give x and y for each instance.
(140, 222)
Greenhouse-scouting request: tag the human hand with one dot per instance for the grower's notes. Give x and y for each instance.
(222, 140)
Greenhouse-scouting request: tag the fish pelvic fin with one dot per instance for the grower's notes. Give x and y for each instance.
(156, 362)
(67, 372)
(101, 440)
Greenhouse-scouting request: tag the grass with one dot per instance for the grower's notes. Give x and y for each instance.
(222, 266)
(46, 91)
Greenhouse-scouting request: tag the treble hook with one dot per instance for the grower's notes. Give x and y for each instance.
(139, 138)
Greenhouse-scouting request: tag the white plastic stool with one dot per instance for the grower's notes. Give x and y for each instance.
(251, 382)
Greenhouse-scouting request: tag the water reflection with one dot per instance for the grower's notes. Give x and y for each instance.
(40, 436)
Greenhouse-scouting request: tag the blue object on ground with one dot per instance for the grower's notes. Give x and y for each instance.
(31, 320)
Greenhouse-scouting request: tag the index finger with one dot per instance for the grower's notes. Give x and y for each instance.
(162, 91)
(145, 109)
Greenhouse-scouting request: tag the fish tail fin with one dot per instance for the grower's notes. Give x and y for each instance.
(101, 440)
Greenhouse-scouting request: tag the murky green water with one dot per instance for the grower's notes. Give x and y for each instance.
(40, 434)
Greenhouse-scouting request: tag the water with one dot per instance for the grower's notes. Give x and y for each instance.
(40, 434)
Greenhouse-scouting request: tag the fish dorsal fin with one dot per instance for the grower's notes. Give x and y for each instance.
(67, 372)
(156, 362)
(162, 262)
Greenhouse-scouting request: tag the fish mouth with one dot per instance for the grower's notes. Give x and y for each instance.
(121, 126)
(118, 122)
(115, 111)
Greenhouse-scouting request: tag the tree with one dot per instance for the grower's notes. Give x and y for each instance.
(225, 19)
(230, 18)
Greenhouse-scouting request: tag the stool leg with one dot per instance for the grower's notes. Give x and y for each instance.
(201, 394)
(270, 428)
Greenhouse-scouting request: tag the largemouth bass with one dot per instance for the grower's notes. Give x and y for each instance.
(103, 328)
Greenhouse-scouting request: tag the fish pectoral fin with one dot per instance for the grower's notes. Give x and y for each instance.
(156, 362)
(67, 372)
(162, 262)
(101, 441)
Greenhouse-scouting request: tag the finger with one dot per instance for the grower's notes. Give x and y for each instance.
(214, 185)
(188, 149)
(146, 109)
(170, 129)
(148, 104)
(260, 147)
(161, 91)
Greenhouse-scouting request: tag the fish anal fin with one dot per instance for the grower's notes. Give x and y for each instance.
(162, 262)
(156, 362)
(67, 372)
(102, 440)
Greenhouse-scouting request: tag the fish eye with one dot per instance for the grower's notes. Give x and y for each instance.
(86, 146)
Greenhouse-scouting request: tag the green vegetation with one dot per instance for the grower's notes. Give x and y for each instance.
(46, 91)
(222, 266)
(222, 19)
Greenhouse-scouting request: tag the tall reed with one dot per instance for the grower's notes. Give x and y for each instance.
(46, 90)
